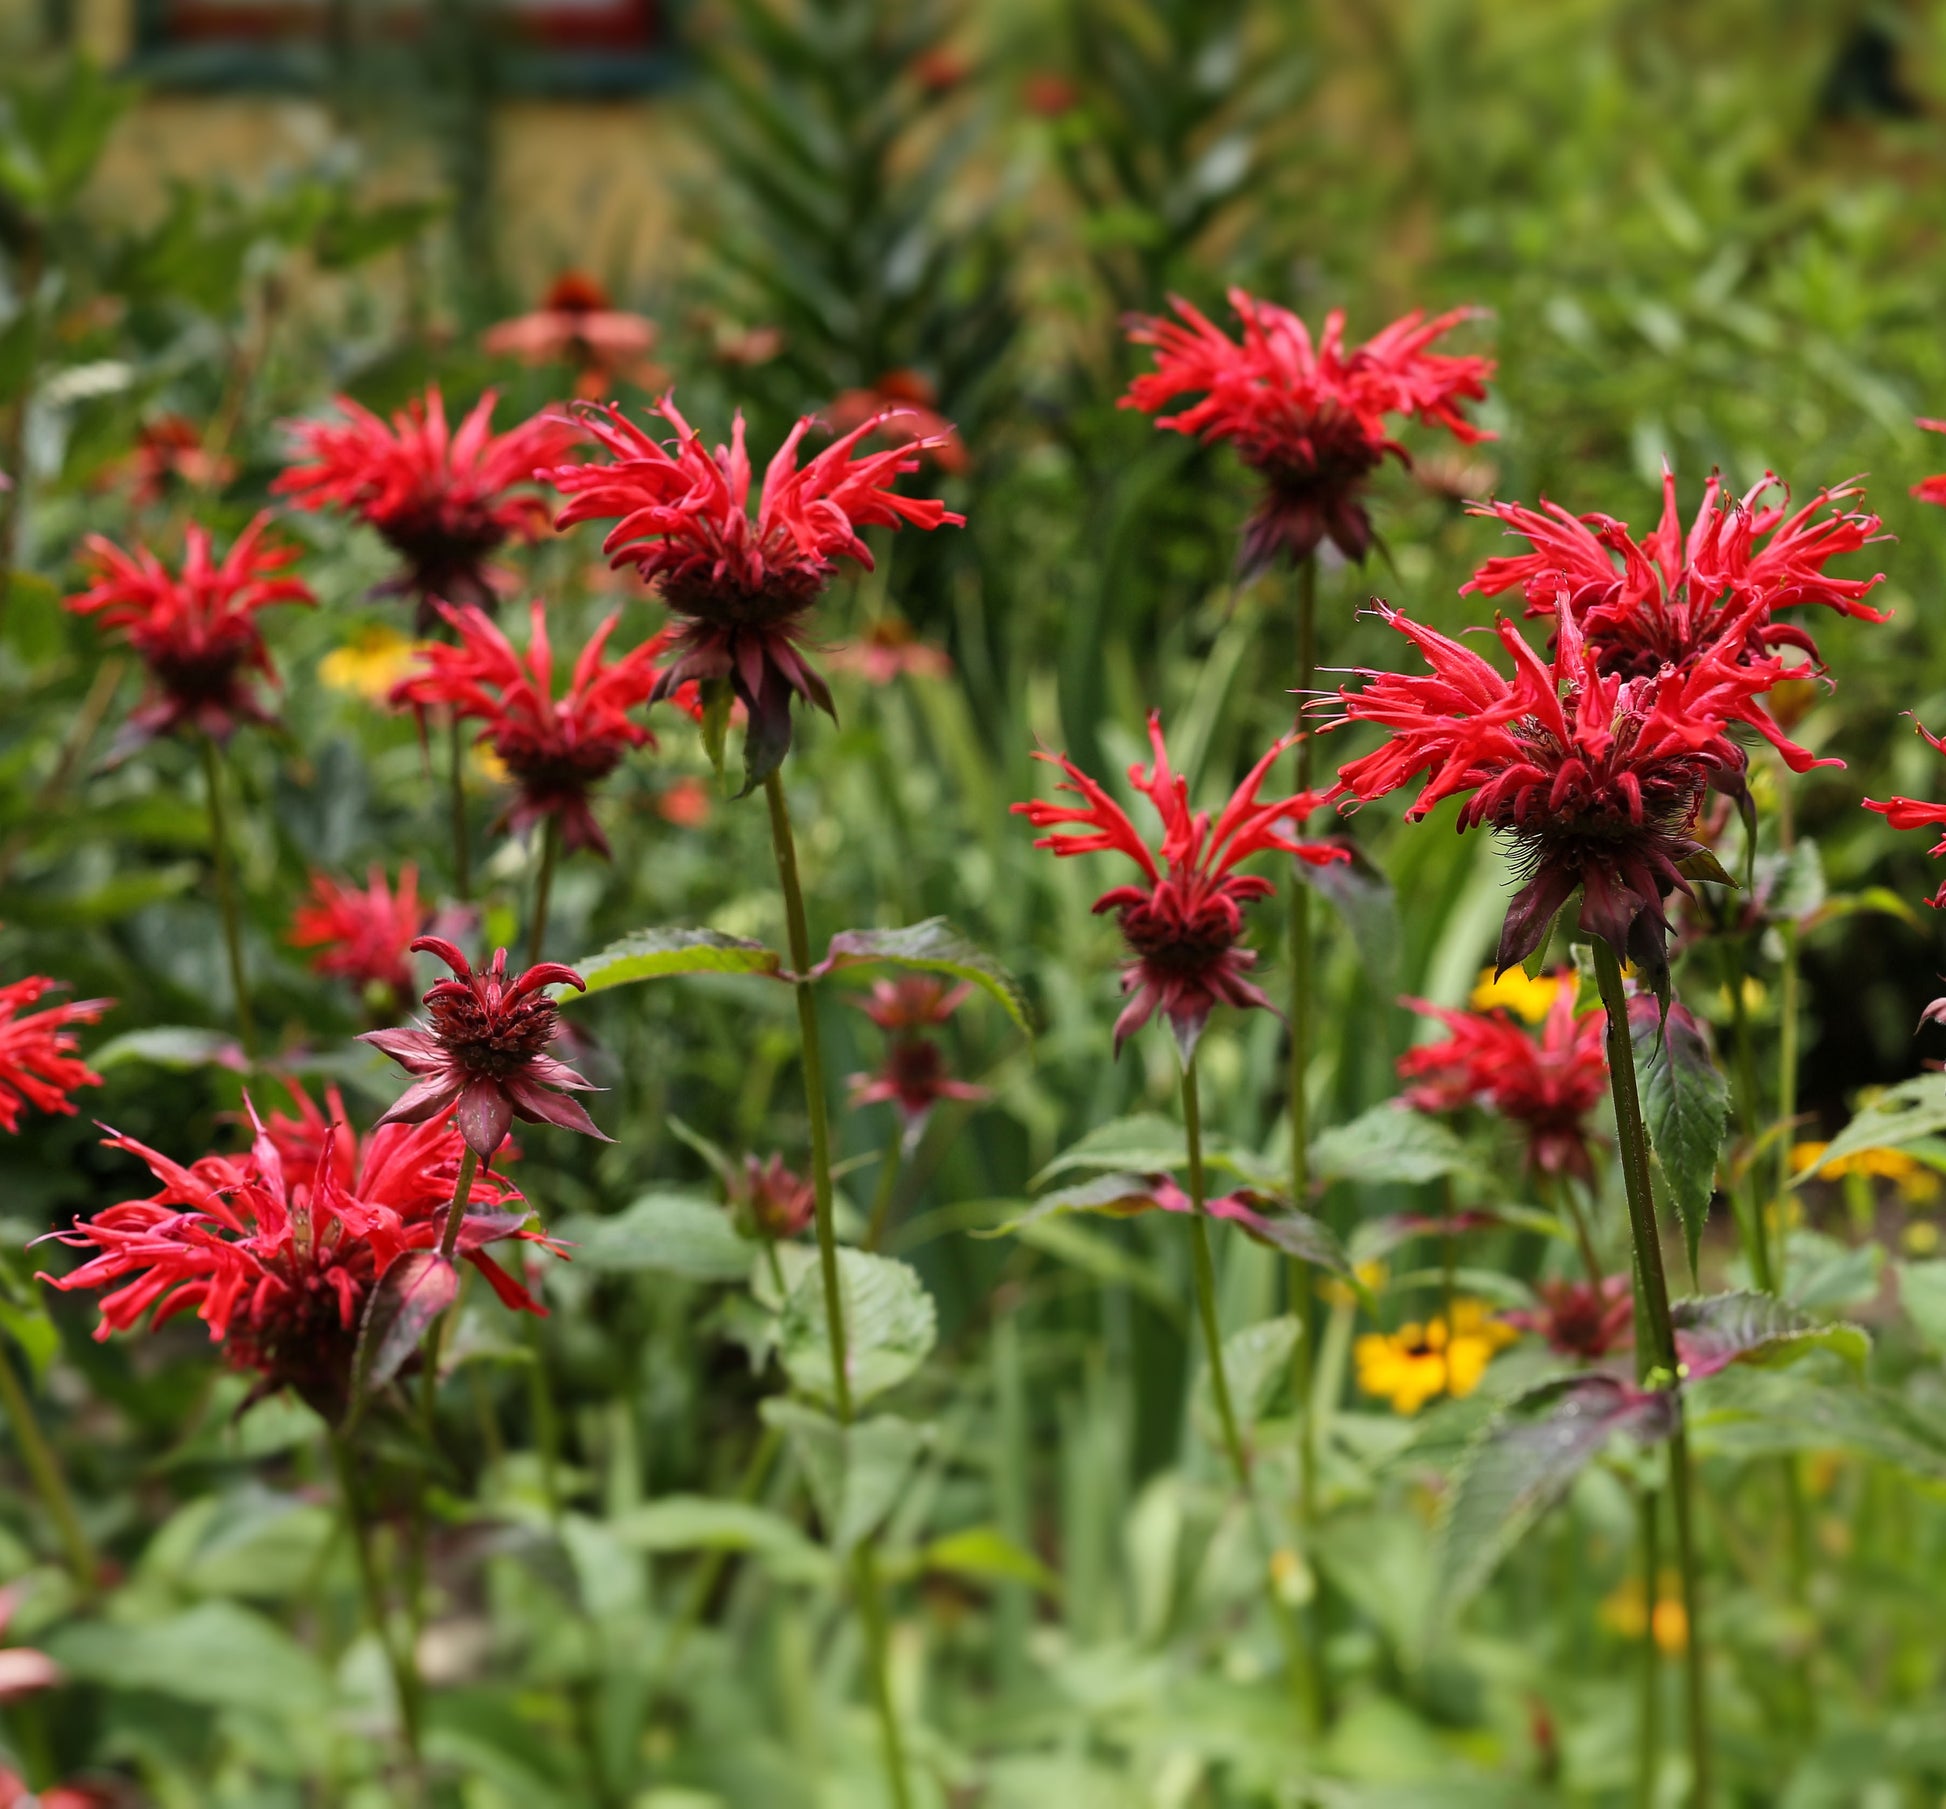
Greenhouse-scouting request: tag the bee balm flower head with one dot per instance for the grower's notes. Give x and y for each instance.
(196, 630)
(1594, 778)
(363, 936)
(741, 584)
(485, 1051)
(1184, 923)
(444, 499)
(39, 1063)
(1310, 417)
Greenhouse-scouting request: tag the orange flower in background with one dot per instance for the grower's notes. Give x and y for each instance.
(577, 324)
(196, 630)
(444, 499)
(902, 405)
(1625, 1612)
(1311, 417)
(685, 802)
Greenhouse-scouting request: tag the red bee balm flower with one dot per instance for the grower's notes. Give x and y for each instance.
(196, 631)
(556, 749)
(485, 1051)
(1932, 489)
(279, 1262)
(913, 1075)
(741, 585)
(1672, 594)
(1309, 417)
(1184, 926)
(771, 1201)
(364, 937)
(1547, 1088)
(444, 500)
(1916, 813)
(1596, 778)
(38, 1063)
(1579, 1319)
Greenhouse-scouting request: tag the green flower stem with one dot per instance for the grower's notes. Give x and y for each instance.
(402, 1663)
(226, 899)
(1584, 1237)
(1301, 1283)
(871, 1606)
(1648, 1726)
(45, 1469)
(889, 1167)
(799, 935)
(456, 781)
(1656, 1340)
(469, 1165)
(543, 888)
(1219, 1380)
(1787, 1005)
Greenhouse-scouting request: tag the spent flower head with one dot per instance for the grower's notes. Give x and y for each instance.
(741, 584)
(444, 499)
(1184, 924)
(771, 1201)
(1311, 418)
(195, 630)
(485, 1052)
(555, 750)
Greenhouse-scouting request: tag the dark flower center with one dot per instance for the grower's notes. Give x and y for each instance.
(493, 1041)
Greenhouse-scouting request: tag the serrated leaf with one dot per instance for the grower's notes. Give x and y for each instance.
(179, 1046)
(933, 947)
(1389, 1143)
(988, 1555)
(1720, 1329)
(703, 1523)
(1685, 1105)
(660, 954)
(1524, 1462)
(1751, 1413)
(856, 1473)
(1256, 1363)
(1903, 1114)
(890, 1326)
(410, 1295)
(675, 1234)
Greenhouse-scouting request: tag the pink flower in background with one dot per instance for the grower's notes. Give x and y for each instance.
(577, 324)
(1311, 418)
(888, 650)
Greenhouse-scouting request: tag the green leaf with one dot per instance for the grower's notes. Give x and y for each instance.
(1106, 1259)
(1685, 1103)
(718, 698)
(178, 1046)
(1791, 884)
(1912, 1110)
(19, 345)
(676, 1234)
(1257, 1364)
(1922, 1292)
(856, 1473)
(1389, 1143)
(657, 954)
(1114, 1195)
(988, 1555)
(29, 1325)
(1702, 864)
(1524, 1462)
(1720, 1329)
(1362, 895)
(933, 947)
(1752, 1413)
(412, 1293)
(1145, 1144)
(889, 1319)
(703, 1523)
(219, 1655)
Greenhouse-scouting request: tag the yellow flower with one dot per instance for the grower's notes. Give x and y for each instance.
(1920, 1238)
(1334, 1292)
(1623, 1613)
(371, 663)
(1526, 998)
(1914, 1179)
(1417, 1362)
(488, 764)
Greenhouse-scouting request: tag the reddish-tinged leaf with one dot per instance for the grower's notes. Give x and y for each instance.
(413, 1293)
(1721, 1329)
